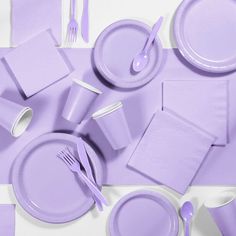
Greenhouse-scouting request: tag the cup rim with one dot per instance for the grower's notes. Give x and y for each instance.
(222, 199)
(107, 110)
(87, 86)
(18, 119)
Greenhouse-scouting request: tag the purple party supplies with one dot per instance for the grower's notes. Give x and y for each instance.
(223, 210)
(36, 64)
(29, 17)
(45, 188)
(79, 100)
(207, 40)
(201, 102)
(116, 48)
(171, 151)
(7, 220)
(112, 121)
(144, 213)
(14, 117)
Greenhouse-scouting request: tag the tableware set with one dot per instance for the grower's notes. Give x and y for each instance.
(73, 27)
(171, 150)
(75, 166)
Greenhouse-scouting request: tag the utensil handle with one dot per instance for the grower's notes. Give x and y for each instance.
(85, 21)
(187, 229)
(85, 162)
(153, 34)
(72, 8)
(92, 187)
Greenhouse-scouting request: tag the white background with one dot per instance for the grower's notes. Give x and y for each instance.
(103, 13)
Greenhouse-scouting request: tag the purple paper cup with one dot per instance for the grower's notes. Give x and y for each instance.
(113, 123)
(223, 210)
(80, 98)
(14, 117)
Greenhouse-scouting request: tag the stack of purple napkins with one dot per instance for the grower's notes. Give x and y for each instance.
(179, 138)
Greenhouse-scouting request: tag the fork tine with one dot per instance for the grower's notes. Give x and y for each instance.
(69, 157)
(63, 159)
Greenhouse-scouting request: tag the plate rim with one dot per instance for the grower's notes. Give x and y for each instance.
(102, 68)
(16, 188)
(127, 197)
(179, 14)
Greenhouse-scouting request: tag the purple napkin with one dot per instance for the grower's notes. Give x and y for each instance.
(202, 102)
(171, 151)
(36, 64)
(29, 17)
(7, 220)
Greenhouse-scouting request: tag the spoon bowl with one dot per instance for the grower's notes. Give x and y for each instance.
(140, 62)
(186, 211)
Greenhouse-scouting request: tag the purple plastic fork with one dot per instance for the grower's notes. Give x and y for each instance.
(72, 28)
(85, 162)
(74, 166)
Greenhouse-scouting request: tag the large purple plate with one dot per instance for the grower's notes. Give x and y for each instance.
(43, 184)
(205, 34)
(116, 48)
(144, 213)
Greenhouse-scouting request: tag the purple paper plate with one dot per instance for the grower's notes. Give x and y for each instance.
(144, 213)
(205, 34)
(116, 48)
(43, 184)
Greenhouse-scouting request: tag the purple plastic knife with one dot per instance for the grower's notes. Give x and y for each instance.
(85, 22)
(85, 162)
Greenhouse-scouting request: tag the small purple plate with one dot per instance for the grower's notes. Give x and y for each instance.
(205, 34)
(116, 48)
(43, 184)
(144, 213)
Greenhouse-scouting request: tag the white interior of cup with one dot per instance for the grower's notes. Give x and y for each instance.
(87, 86)
(107, 110)
(222, 199)
(22, 122)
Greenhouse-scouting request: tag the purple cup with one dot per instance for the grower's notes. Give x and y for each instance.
(14, 117)
(112, 122)
(80, 98)
(223, 210)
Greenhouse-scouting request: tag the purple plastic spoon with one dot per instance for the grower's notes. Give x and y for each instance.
(186, 213)
(140, 61)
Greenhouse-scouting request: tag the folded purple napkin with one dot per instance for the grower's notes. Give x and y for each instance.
(29, 17)
(202, 102)
(7, 220)
(36, 64)
(171, 151)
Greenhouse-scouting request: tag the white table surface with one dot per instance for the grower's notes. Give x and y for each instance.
(102, 13)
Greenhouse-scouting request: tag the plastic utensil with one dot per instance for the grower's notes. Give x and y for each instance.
(186, 213)
(72, 28)
(141, 60)
(74, 166)
(85, 22)
(85, 162)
